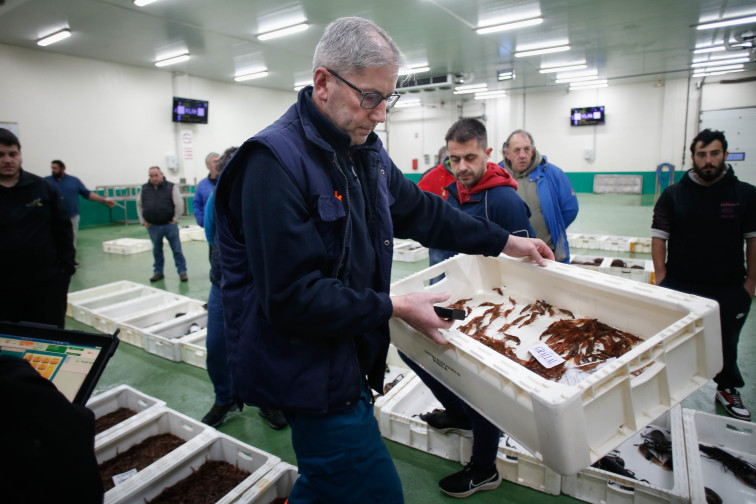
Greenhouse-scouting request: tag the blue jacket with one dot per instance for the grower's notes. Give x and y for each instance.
(303, 326)
(201, 194)
(559, 204)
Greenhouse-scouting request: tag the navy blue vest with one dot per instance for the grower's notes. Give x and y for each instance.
(157, 203)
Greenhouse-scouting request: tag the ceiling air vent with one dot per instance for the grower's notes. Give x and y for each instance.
(430, 83)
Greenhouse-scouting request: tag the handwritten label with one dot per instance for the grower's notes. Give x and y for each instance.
(545, 355)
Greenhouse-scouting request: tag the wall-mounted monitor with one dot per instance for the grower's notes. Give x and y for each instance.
(587, 116)
(187, 110)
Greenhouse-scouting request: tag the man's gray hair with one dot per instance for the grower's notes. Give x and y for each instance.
(353, 44)
(518, 132)
(210, 156)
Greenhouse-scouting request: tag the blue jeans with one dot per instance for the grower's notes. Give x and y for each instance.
(217, 365)
(486, 435)
(342, 458)
(171, 233)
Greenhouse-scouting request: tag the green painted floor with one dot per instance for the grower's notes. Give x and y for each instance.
(187, 388)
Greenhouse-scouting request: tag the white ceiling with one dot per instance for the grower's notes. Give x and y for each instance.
(623, 39)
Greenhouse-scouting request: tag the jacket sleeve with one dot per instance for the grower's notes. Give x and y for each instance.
(139, 207)
(62, 232)
(199, 202)
(178, 204)
(288, 259)
(568, 202)
(507, 209)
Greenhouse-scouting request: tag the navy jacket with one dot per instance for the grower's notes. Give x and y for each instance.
(303, 329)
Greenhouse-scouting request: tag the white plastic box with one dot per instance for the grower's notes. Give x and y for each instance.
(640, 270)
(134, 326)
(570, 427)
(122, 396)
(164, 338)
(736, 437)
(105, 319)
(84, 310)
(193, 349)
(579, 260)
(94, 292)
(277, 483)
(127, 246)
(188, 459)
(409, 251)
(616, 243)
(584, 241)
(652, 484)
(641, 245)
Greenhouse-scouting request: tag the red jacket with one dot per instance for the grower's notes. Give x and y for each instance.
(436, 180)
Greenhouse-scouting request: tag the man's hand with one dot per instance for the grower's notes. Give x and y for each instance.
(146, 224)
(416, 309)
(109, 203)
(534, 248)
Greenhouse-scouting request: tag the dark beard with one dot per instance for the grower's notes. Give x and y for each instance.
(709, 176)
(57, 176)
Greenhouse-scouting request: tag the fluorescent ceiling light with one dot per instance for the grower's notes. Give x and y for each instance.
(485, 95)
(727, 22)
(173, 60)
(282, 32)
(703, 50)
(545, 50)
(471, 88)
(707, 74)
(414, 69)
(505, 75)
(142, 3)
(570, 75)
(566, 68)
(589, 84)
(719, 68)
(55, 37)
(718, 62)
(576, 79)
(412, 102)
(509, 26)
(251, 75)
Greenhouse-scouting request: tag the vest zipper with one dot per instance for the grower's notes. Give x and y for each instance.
(348, 226)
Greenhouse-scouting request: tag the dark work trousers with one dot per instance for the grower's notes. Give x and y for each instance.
(734, 305)
(42, 303)
(486, 435)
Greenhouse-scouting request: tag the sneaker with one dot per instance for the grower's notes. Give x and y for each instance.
(156, 277)
(275, 418)
(184, 277)
(733, 404)
(445, 423)
(217, 414)
(469, 480)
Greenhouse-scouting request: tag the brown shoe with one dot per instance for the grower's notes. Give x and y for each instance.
(184, 277)
(156, 277)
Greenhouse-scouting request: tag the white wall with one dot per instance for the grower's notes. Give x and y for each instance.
(109, 123)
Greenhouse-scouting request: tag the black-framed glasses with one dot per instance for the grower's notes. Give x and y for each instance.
(370, 99)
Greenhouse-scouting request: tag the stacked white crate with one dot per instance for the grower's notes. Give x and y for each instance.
(95, 292)
(106, 318)
(409, 251)
(640, 270)
(616, 243)
(641, 245)
(118, 397)
(652, 483)
(580, 261)
(127, 246)
(583, 240)
(136, 326)
(193, 349)
(84, 310)
(164, 338)
(736, 437)
(570, 427)
(275, 484)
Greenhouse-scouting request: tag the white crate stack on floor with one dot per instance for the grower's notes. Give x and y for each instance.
(570, 427)
(652, 483)
(106, 318)
(127, 246)
(96, 292)
(134, 325)
(84, 310)
(736, 437)
(591, 262)
(641, 245)
(584, 241)
(409, 251)
(186, 460)
(122, 396)
(616, 243)
(396, 377)
(273, 485)
(193, 349)
(164, 338)
(640, 270)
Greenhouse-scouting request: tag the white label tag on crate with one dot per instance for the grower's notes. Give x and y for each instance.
(545, 355)
(120, 478)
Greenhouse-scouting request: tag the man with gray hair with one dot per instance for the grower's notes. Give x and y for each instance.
(306, 212)
(545, 188)
(205, 187)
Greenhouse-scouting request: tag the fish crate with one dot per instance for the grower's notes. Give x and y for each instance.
(399, 421)
(397, 376)
(122, 396)
(105, 318)
(193, 349)
(134, 326)
(126, 246)
(640, 270)
(591, 262)
(616, 243)
(735, 437)
(95, 292)
(641, 245)
(652, 483)
(409, 251)
(164, 338)
(190, 233)
(187, 460)
(84, 310)
(276, 484)
(584, 241)
(569, 427)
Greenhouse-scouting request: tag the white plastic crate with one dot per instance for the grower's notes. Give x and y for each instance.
(184, 463)
(398, 373)
(641, 245)
(95, 292)
(584, 241)
(134, 326)
(121, 396)
(590, 262)
(193, 349)
(190, 233)
(616, 243)
(409, 251)
(640, 270)
(275, 484)
(83, 311)
(127, 246)
(164, 338)
(570, 427)
(660, 486)
(736, 437)
(105, 319)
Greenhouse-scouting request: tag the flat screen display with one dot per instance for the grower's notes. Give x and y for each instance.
(587, 116)
(187, 110)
